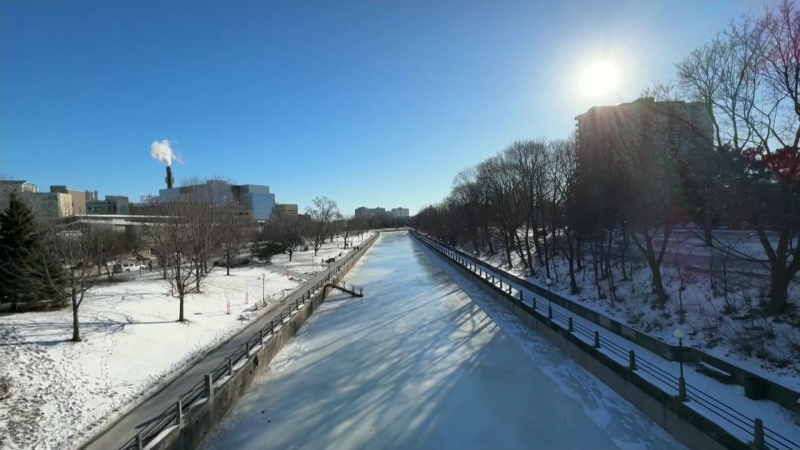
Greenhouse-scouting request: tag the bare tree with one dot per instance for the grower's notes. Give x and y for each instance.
(171, 239)
(110, 251)
(232, 229)
(322, 213)
(652, 144)
(78, 251)
(186, 236)
(748, 78)
(284, 231)
(347, 228)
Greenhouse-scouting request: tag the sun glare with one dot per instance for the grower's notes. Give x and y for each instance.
(598, 79)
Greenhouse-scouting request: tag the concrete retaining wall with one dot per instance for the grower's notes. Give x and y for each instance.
(688, 427)
(200, 419)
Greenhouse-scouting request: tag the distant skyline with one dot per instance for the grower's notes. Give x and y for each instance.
(376, 104)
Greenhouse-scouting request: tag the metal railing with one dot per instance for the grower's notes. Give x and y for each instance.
(348, 287)
(761, 436)
(172, 416)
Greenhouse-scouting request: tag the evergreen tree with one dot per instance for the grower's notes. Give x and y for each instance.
(28, 271)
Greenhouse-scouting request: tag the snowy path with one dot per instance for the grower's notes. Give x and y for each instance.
(420, 363)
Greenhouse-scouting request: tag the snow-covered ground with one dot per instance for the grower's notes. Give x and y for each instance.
(307, 263)
(728, 325)
(424, 362)
(63, 392)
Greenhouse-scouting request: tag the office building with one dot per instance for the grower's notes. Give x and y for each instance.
(44, 205)
(78, 198)
(50, 205)
(113, 204)
(256, 200)
(286, 209)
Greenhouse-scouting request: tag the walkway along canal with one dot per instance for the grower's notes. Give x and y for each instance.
(425, 361)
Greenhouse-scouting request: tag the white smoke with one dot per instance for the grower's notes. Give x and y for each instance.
(161, 151)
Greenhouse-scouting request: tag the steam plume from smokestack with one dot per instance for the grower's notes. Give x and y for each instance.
(161, 151)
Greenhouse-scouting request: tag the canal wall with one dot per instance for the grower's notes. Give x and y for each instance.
(687, 426)
(197, 420)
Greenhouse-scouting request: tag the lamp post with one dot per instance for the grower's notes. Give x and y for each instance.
(680, 333)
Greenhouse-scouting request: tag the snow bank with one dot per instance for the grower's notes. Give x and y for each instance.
(727, 326)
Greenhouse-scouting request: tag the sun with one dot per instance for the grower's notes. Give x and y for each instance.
(598, 79)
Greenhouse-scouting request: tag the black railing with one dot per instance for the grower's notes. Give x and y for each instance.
(171, 415)
(350, 288)
(761, 437)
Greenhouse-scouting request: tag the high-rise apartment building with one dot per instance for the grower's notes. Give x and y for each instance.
(400, 212)
(366, 212)
(675, 127)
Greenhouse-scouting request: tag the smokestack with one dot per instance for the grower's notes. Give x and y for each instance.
(170, 181)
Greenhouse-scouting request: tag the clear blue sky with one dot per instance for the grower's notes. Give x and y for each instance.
(370, 103)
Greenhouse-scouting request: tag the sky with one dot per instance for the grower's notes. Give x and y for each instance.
(368, 103)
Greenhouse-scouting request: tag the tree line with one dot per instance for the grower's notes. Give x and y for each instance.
(726, 158)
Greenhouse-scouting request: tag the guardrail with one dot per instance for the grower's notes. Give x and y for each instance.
(626, 360)
(172, 416)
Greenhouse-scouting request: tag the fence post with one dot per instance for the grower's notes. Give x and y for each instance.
(180, 415)
(596, 339)
(632, 360)
(681, 389)
(520, 297)
(230, 366)
(139, 440)
(210, 387)
(758, 435)
(261, 335)
(247, 349)
(534, 302)
(549, 312)
(569, 324)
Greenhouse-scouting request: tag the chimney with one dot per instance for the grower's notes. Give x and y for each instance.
(170, 181)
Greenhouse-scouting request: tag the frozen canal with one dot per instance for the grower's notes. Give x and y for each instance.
(423, 361)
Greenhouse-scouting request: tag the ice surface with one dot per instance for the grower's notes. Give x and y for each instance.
(420, 363)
